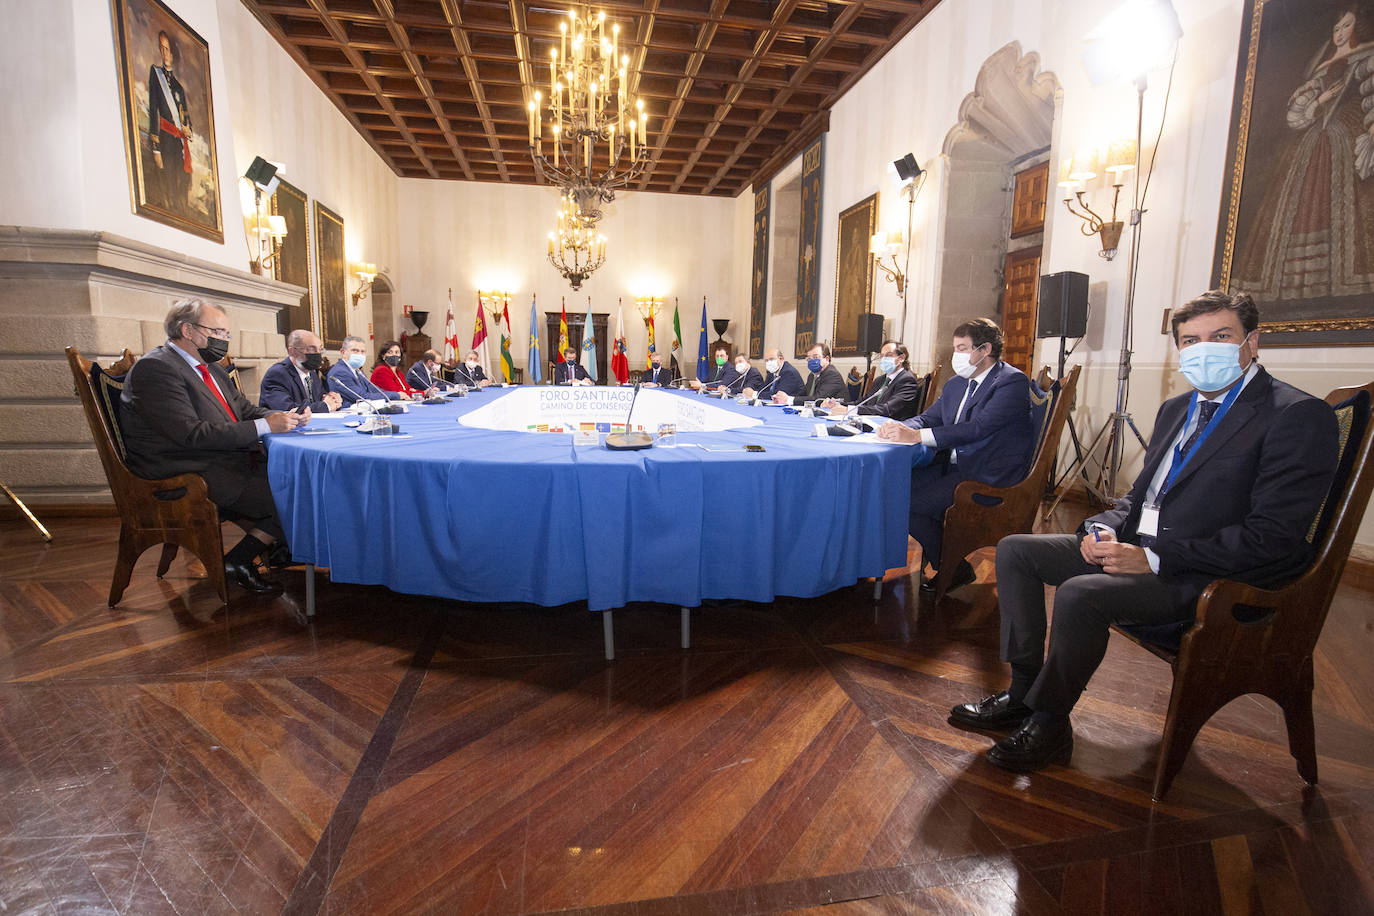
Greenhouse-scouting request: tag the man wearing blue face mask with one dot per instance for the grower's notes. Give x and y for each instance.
(824, 380)
(895, 393)
(1234, 475)
(348, 379)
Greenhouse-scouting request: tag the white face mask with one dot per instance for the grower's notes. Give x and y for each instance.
(771, 365)
(741, 368)
(963, 365)
(472, 364)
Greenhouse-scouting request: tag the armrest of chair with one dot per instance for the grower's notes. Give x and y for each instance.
(966, 490)
(192, 484)
(1216, 620)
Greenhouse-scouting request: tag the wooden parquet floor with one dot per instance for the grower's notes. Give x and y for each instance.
(409, 755)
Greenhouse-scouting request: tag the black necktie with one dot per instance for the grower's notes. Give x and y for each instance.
(310, 386)
(963, 408)
(1205, 411)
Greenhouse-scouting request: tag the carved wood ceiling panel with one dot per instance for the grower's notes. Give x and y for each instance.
(734, 88)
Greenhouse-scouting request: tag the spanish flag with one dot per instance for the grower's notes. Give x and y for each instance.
(562, 329)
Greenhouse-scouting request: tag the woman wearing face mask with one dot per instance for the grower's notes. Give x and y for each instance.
(387, 374)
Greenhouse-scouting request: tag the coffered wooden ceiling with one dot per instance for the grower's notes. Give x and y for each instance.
(734, 88)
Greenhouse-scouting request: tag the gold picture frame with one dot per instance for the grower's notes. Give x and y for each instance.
(167, 105)
(294, 260)
(333, 276)
(853, 274)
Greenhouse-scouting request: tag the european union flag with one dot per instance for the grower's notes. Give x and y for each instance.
(703, 371)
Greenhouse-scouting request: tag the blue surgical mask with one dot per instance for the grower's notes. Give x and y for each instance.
(814, 365)
(887, 365)
(1211, 365)
(356, 360)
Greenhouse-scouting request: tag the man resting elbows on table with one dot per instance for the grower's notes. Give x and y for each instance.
(181, 414)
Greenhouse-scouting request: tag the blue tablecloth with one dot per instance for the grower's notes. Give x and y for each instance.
(483, 515)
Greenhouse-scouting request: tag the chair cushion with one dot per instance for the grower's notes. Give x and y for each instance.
(1352, 418)
(108, 389)
(1164, 635)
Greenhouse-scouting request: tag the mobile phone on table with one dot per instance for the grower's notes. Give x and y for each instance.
(755, 448)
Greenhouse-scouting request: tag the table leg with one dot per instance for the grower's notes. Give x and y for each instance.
(609, 635)
(310, 591)
(686, 628)
(878, 589)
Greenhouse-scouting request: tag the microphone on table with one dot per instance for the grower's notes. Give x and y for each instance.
(628, 441)
(388, 408)
(758, 395)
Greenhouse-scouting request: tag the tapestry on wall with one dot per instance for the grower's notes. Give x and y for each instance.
(169, 121)
(333, 285)
(758, 297)
(292, 264)
(1297, 215)
(854, 274)
(809, 248)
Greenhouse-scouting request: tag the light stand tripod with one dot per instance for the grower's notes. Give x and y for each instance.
(1114, 429)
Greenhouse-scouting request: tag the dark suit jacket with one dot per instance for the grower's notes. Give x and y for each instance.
(564, 373)
(720, 375)
(1243, 503)
(789, 382)
(282, 389)
(462, 375)
(828, 384)
(731, 379)
(173, 424)
(664, 379)
(995, 436)
(419, 378)
(354, 385)
(900, 399)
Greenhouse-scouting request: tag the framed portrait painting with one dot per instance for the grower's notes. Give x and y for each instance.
(1297, 212)
(292, 264)
(169, 119)
(854, 274)
(333, 287)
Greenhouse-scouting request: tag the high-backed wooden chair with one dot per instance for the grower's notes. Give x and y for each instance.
(232, 371)
(981, 514)
(1251, 640)
(931, 381)
(175, 512)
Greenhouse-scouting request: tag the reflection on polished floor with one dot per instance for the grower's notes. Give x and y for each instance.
(405, 754)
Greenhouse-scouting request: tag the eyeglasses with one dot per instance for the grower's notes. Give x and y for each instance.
(222, 333)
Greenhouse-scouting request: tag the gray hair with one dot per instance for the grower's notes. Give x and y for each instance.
(191, 310)
(351, 338)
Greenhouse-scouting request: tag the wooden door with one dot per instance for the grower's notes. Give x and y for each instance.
(1028, 202)
(576, 323)
(1019, 301)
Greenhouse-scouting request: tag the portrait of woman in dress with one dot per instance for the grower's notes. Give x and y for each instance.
(1312, 236)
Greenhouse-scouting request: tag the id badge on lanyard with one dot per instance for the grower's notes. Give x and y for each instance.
(1149, 515)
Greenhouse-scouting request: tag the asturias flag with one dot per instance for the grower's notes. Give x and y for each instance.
(534, 368)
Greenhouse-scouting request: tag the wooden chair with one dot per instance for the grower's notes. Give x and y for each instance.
(232, 371)
(174, 512)
(931, 381)
(1251, 640)
(982, 515)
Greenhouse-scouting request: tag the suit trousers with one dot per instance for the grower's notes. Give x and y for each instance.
(1087, 602)
(932, 492)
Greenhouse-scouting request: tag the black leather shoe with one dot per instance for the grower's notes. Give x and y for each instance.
(278, 555)
(1033, 746)
(246, 577)
(997, 711)
(963, 575)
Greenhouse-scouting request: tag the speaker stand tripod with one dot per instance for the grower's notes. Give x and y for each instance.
(33, 519)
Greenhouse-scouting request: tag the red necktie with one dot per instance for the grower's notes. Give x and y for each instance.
(214, 389)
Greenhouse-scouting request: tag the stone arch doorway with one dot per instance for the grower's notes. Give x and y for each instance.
(382, 326)
(1005, 126)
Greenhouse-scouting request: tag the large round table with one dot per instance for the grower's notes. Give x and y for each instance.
(490, 515)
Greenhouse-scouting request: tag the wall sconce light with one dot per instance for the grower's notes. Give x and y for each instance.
(1083, 167)
(267, 231)
(887, 244)
(648, 307)
(365, 272)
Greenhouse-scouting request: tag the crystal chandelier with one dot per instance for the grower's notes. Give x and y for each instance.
(576, 249)
(597, 137)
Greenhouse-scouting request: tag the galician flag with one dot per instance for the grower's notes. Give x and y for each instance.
(479, 334)
(589, 343)
(620, 364)
(562, 329)
(450, 332)
(507, 364)
(703, 369)
(534, 368)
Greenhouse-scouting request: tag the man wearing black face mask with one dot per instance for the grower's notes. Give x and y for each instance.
(295, 382)
(181, 414)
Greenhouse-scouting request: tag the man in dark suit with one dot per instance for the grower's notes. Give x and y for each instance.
(823, 381)
(470, 372)
(346, 377)
(896, 394)
(1235, 472)
(295, 382)
(181, 414)
(980, 429)
(570, 371)
(721, 371)
(657, 375)
(781, 378)
(426, 374)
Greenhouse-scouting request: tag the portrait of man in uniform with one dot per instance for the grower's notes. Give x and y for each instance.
(168, 118)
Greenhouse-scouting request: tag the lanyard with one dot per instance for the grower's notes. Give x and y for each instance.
(1181, 459)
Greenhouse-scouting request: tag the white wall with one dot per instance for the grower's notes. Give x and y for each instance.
(477, 235)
